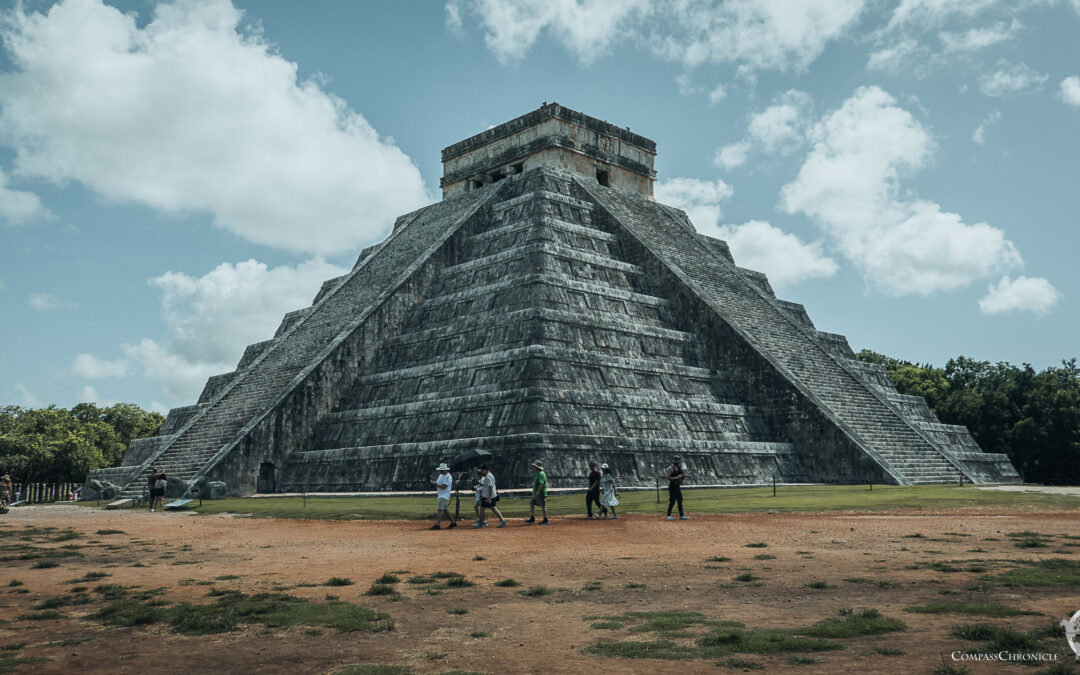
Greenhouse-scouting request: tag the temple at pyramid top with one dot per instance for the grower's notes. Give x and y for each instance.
(556, 137)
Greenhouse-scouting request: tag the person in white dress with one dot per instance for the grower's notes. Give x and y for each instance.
(609, 494)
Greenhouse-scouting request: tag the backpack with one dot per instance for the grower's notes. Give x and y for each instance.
(160, 484)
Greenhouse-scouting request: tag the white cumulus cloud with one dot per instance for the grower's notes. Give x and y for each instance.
(782, 256)
(43, 302)
(699, 198)
(850, 184)
(1011, 80)
(1070, 90)
(733, 155)
(975, 39)
(780, 128)
(18, 207)
(25, 397)
(1023, 294)
(753, 34)
(979, 136)
(212, 318)
(191, 113)
(93, 368)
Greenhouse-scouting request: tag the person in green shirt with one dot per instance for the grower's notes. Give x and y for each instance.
(539, 494)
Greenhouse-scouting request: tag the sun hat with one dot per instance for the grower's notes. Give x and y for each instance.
(443, 467)
(603, 466)
(676, 458)
(538, 465)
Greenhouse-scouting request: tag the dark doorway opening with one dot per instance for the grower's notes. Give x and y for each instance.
(602, 177)
(267, 478)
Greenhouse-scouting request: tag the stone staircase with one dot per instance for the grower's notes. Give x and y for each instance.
(540, 329)
(801, 354)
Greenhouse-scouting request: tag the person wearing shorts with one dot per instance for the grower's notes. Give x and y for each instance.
(158, 482)
(489, 497)
(476, 504)
(442, 485)
(539, 494)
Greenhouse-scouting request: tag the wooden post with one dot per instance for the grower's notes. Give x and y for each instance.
(774, 485)
(870, 482)
(657, 489)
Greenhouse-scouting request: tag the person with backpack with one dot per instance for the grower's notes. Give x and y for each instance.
(489, 496)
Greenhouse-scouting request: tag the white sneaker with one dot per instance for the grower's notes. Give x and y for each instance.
(684, 517)
(151, 510)
(671, 517)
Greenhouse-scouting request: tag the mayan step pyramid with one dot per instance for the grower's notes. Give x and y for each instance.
(548, 308)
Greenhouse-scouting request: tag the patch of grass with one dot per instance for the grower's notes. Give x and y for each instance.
(747, 577)
(764, 556)
(478, 558)
(229, 577)
(742, 664)
(508, 583)
(999, 638)
(664, 621)
(633, 586)
(457, 610)
(801, 661)
(111, 532)
(456, 582)
(14, 582)
(880, 583)
(111, 591)
(479, 634)
(45, 564)
(947, 668)
(434, 656)
(606, 625)
(1029, 543)
(592, 586)
(536, 592)
(446, 575)
(916, 535)
(718, 558)
(9, 663)
(1050, 572)
(381, 589)
(886, 651)
(372, 669)
(761, 641)
(759, 544)
(653, 649)
(339, 581)
(956, 534)
(41, 616)
(967, 608)
(273, 610)
(88, 577)
(817, 585)
(855, 624)
(388, 579)
(64, 601)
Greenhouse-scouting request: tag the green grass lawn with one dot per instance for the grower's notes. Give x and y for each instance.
(731, 500)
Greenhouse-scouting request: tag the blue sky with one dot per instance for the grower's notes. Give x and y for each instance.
(175, 176)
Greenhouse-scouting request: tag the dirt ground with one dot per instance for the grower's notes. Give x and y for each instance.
(532, 634)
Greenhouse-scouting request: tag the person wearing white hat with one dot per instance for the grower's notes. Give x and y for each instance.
(539, 494)
(442, 486)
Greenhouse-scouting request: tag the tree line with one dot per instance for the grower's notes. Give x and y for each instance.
(1033, 417)
(51, 445)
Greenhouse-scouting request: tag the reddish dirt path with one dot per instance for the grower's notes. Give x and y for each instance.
(529, 635)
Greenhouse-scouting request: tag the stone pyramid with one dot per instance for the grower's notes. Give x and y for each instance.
(549, 308)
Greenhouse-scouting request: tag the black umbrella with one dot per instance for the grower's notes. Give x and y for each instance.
(469, 459)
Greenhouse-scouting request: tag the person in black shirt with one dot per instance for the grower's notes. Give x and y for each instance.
(592, 495)
(675, 476)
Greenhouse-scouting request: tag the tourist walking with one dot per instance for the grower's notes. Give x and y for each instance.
(476, 504)
(489, 496)
(609, 497)
(675, 476)
(442, 486)
(539, 494)
(592, 494)
(158, 482)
